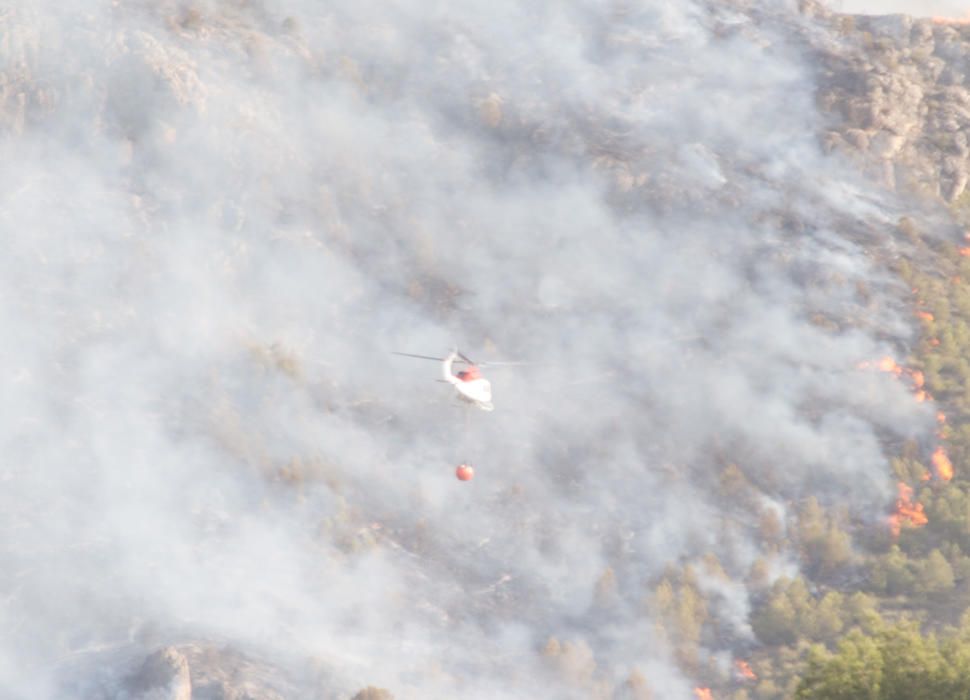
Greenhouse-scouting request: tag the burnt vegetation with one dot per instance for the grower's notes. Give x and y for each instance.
(791, 590)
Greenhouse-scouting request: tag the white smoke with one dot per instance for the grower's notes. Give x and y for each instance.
(916, 8)
(219, 218)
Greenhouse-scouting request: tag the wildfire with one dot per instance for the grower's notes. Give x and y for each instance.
(951, 20)
(906, 511)
(703, 694)
(965, 251)
(942, 464)
(888, 364)
(934, 342)
(925, 315)
(744, 670)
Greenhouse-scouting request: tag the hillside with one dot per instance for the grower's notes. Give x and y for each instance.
(727, 238)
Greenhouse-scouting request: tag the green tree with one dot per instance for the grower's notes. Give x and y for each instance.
(635, 687)
(682, 612)
(828, 617)
(372, 693)
(760, 574)
(936, 574)
(914, 668)
(811, 520)
(771, 528)
(776, 622)
(895, 663)
(831, 551)
(855, 673)
(825, 547)
(892, 573)
(862, 610)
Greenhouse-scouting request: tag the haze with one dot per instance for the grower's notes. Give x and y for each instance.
(916, 8)
(218, 219)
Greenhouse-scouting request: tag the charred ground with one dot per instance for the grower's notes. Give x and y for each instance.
(224, 215)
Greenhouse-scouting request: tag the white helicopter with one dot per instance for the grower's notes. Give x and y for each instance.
(471, 386)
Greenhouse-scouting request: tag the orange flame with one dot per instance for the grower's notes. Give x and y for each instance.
(888, 364)
(965, 251)
(940, 417)
(744, 670)
(925, 315)
(934, 342)
(703, 694)
(951, 20)
(906, 511)
(942, 464)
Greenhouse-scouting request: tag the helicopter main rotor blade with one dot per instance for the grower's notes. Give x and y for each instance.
(420, 357)
(429, 357)
(462, 358)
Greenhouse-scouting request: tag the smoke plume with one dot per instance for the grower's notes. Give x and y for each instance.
(219, 218)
